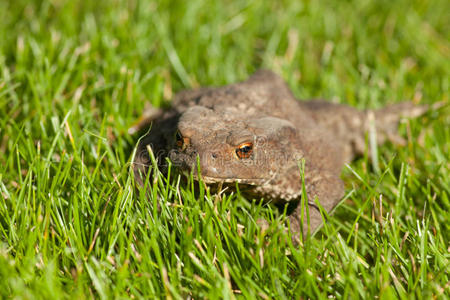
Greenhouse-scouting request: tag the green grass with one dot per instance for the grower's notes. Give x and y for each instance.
(74, 75)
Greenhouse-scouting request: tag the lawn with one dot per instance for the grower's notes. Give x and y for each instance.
(75, 75)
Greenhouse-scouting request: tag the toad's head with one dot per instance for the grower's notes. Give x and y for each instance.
(260, 153)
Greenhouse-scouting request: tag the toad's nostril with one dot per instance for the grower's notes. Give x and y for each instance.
(193, 154)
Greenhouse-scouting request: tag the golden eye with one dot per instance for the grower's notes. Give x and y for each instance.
(179, 140)
(244, 150)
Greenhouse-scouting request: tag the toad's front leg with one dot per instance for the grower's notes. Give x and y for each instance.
(329, 190)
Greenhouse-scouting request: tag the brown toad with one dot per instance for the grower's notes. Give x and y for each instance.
(255, 133)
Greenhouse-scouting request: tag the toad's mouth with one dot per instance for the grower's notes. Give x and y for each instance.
(213, 180)
(247, 186)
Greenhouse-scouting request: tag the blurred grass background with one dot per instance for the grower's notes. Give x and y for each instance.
(75, 75)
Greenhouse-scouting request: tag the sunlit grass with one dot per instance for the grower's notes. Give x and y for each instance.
(75, 75)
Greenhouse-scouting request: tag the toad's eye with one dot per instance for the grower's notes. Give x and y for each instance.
(179, 140)
(244, 150)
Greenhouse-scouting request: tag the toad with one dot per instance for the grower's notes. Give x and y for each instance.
(256, 134)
